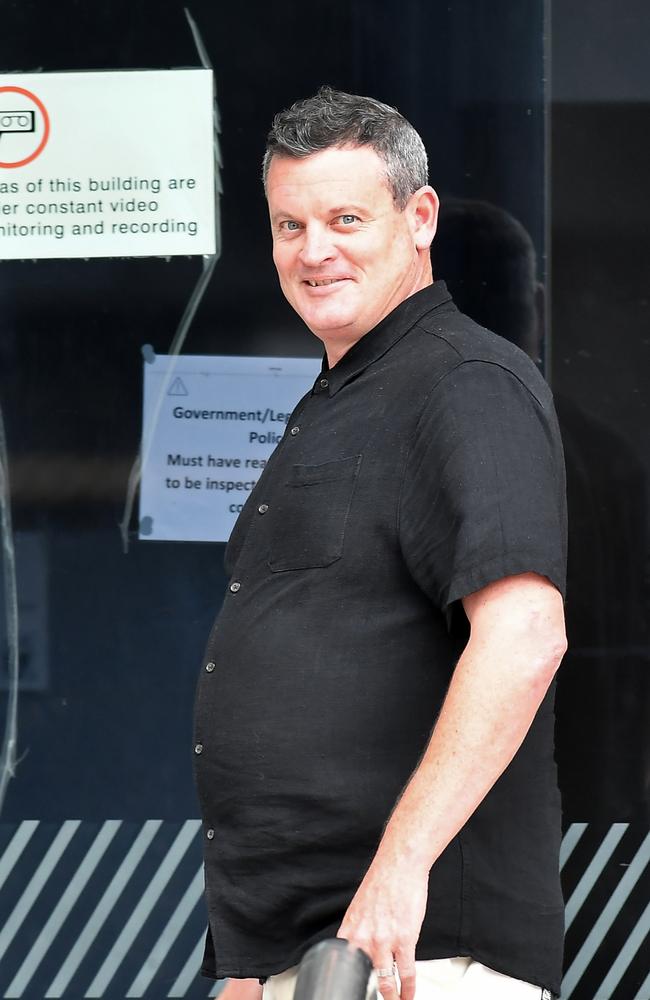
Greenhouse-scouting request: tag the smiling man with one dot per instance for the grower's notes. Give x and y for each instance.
(345, 255)
(374, 717)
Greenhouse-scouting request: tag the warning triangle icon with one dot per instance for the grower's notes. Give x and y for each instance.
(177, 388)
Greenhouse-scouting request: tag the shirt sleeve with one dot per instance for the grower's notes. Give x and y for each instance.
(483, 495)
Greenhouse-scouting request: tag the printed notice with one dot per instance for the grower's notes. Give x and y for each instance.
(209, 426)
(107, 164)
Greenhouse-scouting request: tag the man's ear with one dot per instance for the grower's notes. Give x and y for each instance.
(423, 207)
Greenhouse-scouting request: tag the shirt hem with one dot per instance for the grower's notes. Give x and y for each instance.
(263, 972)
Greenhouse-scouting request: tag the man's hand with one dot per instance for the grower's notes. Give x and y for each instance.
(385, 918)
(242, 989)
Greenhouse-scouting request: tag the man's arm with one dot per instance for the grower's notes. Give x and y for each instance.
(516, 643)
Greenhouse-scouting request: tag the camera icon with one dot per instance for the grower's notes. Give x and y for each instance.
(17, 121)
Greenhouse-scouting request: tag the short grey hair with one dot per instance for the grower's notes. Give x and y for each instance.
(333, 118)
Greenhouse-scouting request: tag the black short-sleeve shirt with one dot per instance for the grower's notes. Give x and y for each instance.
(426, 464)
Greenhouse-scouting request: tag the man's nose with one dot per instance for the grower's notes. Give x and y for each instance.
(317, 246)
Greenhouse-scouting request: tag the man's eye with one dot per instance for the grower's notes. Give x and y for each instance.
(290, 225)
(348, 220)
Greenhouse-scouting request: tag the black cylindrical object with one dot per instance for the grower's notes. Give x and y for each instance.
(333, 970)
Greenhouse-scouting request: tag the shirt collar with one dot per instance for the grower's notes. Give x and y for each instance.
(382, 337)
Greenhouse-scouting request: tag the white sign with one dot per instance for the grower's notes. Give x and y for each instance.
(116, 164)
(209, 426)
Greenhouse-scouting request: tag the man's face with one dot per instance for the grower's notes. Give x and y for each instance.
(345, 255)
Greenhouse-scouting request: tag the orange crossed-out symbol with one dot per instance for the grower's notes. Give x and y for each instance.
(46, 126)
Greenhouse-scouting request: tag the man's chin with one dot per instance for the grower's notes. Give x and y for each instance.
(333, 332)
(328, 322)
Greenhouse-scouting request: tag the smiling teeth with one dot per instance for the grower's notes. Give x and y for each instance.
(326, 281)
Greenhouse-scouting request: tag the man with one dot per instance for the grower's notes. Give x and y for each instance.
(374, 720)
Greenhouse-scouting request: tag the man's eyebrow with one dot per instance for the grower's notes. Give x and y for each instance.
(276, 216)
(346, 208)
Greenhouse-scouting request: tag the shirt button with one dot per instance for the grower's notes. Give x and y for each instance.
(210, 834)
(210, 666)
(263, 507)
(198, 748)
(234, 587)
(294, 431)
(324, 383)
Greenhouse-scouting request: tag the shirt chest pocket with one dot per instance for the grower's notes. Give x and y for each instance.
(311, 512)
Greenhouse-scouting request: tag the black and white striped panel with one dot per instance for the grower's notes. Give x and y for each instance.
(606, 881)
(115, 910)
(109, 909)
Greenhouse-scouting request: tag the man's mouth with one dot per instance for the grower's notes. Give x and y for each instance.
(322, 281)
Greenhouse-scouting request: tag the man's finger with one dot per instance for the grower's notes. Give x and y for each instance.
(405, 961)
(387, 986)
(386, 982)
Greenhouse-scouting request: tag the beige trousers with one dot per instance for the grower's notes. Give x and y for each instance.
(460, 978)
